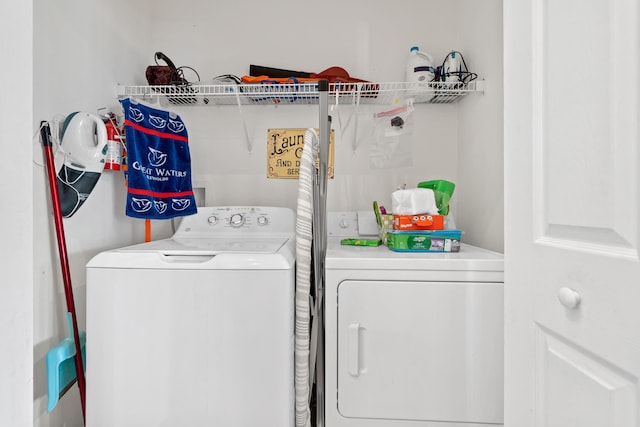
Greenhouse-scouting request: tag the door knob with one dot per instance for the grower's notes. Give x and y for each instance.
(569, 298)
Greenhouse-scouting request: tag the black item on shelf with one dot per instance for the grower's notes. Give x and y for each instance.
(170, 75)
(278, 73)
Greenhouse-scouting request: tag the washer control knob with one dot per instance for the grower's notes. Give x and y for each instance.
(213, 220)
(236, 220)
(263, 220)
(344, 222)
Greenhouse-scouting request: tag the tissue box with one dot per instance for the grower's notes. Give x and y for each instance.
(423, 241)
(418, 222)
(414, 200)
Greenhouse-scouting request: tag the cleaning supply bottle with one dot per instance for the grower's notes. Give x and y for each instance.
(419, 67)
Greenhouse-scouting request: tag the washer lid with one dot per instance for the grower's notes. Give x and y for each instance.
(210, 246)
(277, 253)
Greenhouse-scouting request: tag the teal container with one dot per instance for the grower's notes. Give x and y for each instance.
(424, 241)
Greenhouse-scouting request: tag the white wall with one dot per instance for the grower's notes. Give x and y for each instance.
(82, 49)
(369, 39)
(16, 251)
(480, 141)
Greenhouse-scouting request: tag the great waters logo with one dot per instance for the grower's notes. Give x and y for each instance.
(136, 115)
(160, 206)
(155, 171)
(175, 126)
(140, 205)
(156, 157)
(157, 122)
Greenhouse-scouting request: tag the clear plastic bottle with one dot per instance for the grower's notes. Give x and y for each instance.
(419, 67)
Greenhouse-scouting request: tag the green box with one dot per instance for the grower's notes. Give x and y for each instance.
(424, 241)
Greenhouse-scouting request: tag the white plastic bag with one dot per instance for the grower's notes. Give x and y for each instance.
(391, 145)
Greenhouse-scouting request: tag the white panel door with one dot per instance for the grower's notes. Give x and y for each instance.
(572, 269)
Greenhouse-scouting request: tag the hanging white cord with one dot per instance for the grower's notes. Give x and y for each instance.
(244, 120)
(354, 145)
(304, 237)
(355, 104)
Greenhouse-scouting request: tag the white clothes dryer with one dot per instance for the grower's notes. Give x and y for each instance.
(412, 339)
(197, 329)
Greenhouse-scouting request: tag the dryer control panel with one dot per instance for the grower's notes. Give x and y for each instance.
(238, 220)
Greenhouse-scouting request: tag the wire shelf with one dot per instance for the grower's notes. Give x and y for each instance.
(304, 93)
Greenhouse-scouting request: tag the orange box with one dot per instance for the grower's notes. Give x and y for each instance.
(418, 222)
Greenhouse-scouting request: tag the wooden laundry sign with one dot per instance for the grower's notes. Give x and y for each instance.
(284, 150)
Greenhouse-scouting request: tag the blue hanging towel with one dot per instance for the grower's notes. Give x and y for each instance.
(159, 175)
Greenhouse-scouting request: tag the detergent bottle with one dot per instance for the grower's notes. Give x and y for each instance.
(419, 67)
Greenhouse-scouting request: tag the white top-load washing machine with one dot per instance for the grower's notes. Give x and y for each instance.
(195, 330)
(412, 339)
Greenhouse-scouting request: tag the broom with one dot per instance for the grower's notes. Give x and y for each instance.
(63, 376)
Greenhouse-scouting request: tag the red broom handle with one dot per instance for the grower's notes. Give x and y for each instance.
(64, 260)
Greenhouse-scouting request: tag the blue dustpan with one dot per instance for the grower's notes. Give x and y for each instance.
(61, 369)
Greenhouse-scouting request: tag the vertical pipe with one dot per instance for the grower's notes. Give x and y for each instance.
(325, 128)
(147, 230)
(320, 241)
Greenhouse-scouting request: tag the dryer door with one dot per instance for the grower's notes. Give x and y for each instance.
(420, 351)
